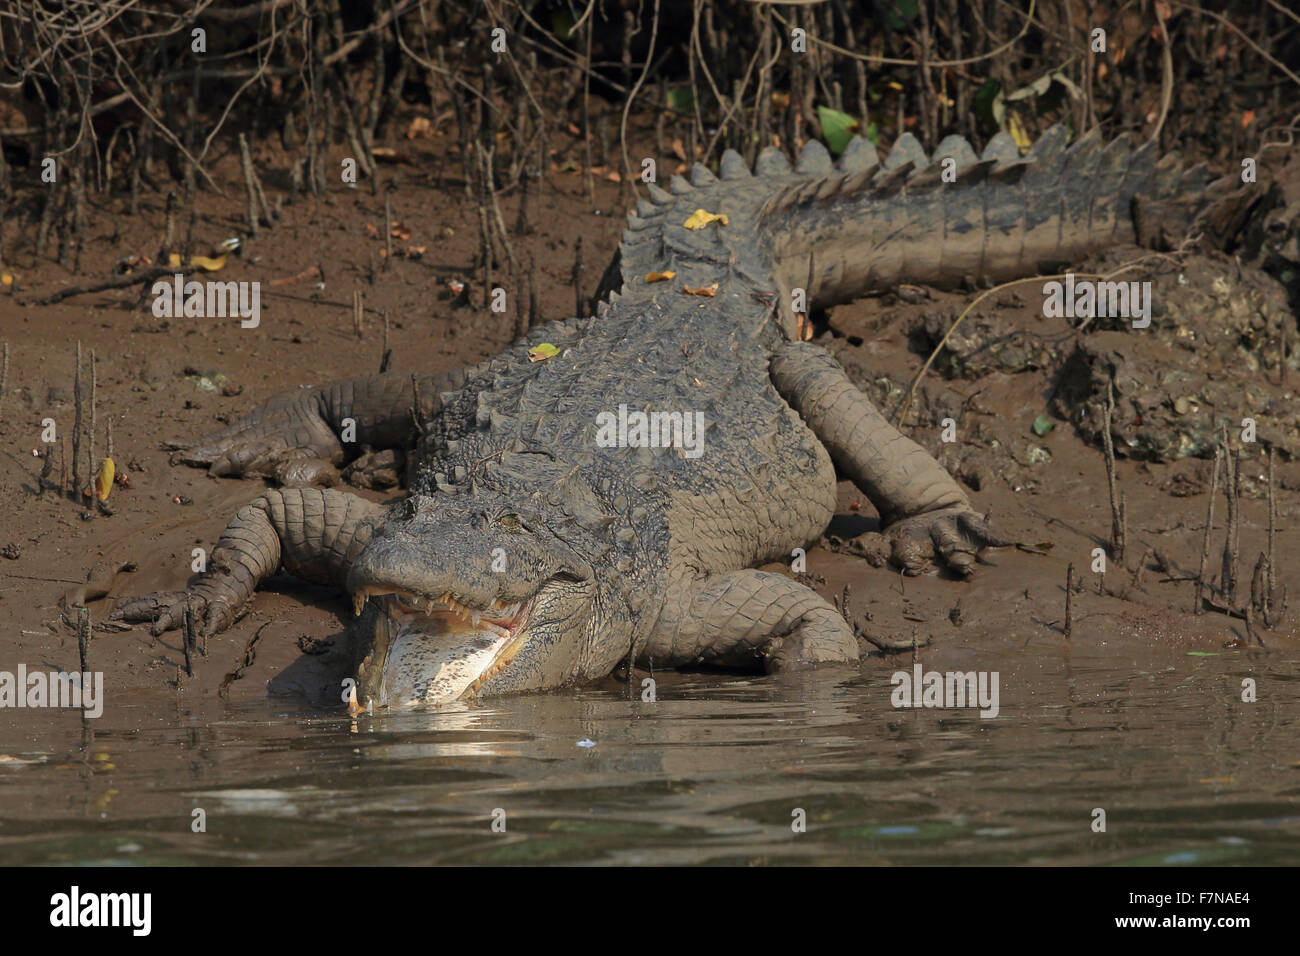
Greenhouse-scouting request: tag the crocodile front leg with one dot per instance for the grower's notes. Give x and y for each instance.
(743, 618)
(926, 513)
(306, 424)
(311, 533)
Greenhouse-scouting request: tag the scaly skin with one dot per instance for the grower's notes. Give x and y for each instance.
(528, 556)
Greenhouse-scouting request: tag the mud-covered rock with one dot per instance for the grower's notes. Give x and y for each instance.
(1212, 356)
(984, 342)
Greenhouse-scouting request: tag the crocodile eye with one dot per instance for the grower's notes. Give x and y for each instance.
(510, 522)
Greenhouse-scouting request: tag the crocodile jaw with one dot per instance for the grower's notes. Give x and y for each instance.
(437, 650)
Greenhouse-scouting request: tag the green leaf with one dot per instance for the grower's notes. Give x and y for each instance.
(989, 106)
(901, 14)
(681, 99)
(837, 128)
(562, 24)
(1042, 425)
(1202, 653)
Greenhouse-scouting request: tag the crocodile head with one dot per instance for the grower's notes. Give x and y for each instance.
(478, 596)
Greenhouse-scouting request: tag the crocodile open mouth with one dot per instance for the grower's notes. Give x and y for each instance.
(431, 650)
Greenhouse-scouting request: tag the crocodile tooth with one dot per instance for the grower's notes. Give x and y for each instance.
(358, 603)
(474, 618)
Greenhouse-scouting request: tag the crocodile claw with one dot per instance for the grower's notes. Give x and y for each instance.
(951, 536)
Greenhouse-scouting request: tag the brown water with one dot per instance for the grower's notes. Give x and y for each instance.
(709, 773)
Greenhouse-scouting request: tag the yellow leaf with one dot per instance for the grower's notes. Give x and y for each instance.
(7, 279)
(1017, 132)
(705, 290)
(104, 480)
(659, 276)
(206, 263)
(701, 218)
(542, 352)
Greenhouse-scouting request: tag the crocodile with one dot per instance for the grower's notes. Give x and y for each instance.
(611, 499)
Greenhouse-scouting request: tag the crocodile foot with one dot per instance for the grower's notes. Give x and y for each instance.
(279, 435)
(166, 610)
(952, 536)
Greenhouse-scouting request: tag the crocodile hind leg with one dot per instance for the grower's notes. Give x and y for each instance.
(927, 515)
(749, 617)
(312, 533)
(292, 428)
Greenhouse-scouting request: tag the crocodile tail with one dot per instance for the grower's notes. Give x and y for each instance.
(863, 226)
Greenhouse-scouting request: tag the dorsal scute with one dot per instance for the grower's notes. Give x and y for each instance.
(955, 148)
(814, 159)
(733, 166)
(859, 156)
(658, 195)
(1002, 149)
(907, 149)
(772, 162)
(702, 176)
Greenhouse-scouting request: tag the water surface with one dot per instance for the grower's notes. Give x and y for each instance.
(713, 771)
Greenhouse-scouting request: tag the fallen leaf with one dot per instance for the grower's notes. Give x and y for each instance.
(573, 128)
(206, 263)
(542, 352)
(1247, 118)
(104, 480)
(701, 218)
(679, 150)
(705, 290)
(372, 231)
(659, 276)
(6, 279)
(415, 252)
(420, 126)
(400, 231)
